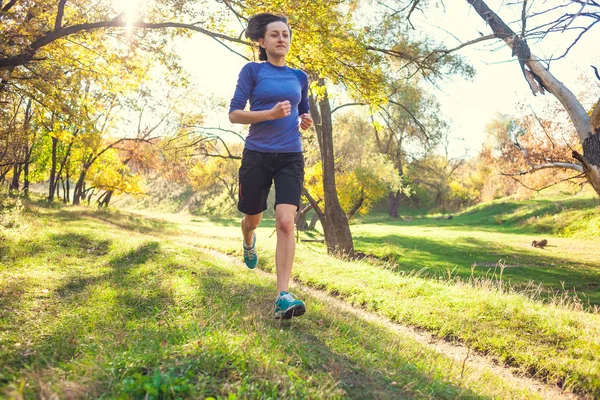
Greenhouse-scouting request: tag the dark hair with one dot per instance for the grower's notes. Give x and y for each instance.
(257, 27)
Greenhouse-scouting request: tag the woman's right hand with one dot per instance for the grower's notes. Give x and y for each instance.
(281, 110)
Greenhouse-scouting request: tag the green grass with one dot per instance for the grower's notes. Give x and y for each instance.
(109, 305)
(484, 237)
(553, 337)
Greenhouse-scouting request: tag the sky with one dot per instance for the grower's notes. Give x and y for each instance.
(469, 105)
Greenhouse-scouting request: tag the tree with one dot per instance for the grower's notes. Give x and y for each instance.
(363, 174)
(32, 28)
(435, 172)
(339, 54)
(571, 16)
(224, 171)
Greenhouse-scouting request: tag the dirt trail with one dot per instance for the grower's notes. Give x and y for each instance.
(458, 352)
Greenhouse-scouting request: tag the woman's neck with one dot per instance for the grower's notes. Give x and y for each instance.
(277, 61)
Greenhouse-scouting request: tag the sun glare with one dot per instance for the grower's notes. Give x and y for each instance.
(132, 10)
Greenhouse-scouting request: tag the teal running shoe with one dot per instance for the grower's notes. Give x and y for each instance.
(250, 256)
(288, 306)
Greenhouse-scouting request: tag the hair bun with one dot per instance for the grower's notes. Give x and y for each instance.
(257, 25)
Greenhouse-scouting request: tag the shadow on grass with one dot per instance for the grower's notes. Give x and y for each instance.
(67, 336)
(141, 326)
(80, 242)
(506, 216)
(411, 254)
(115, 218)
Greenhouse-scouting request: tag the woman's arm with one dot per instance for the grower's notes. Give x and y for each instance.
(281, 110)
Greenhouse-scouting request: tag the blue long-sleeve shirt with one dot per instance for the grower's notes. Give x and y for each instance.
(265, 85)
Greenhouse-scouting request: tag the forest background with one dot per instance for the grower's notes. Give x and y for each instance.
(418, 108)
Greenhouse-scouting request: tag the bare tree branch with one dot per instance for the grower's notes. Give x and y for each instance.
(230, 49)
(415, 119)
(9, 5)
(348, 105)
(537, 71)
(547, 186)
(543, 128)
(523, 18)
(564, 165)
(465, 44)
(596, 72)
(59, 15)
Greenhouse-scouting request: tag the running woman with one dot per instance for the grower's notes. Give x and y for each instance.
(278, 98)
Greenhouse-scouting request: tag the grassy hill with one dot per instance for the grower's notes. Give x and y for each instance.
(495, 238)
(115, 305)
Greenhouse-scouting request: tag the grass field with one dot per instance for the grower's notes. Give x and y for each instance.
(482, 239)
(112, 305)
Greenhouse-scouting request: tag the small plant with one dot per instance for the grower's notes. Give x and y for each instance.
(159, 386)
(10, 213)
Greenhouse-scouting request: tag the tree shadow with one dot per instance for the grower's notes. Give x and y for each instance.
(74, 291)
(80, 242)
(118, 219)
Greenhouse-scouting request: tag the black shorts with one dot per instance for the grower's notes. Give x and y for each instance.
(257, 173)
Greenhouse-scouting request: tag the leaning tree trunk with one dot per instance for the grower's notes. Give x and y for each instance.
(540, 79)
(79, 188)
(338, 237)
(300, 218)
(53, 175)
(79, 191)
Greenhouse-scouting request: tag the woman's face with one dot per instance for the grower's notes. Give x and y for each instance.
(277, 39)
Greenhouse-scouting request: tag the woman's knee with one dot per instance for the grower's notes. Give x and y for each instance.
(285, 224)
(252, 221)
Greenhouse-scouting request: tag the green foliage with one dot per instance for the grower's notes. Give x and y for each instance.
(364, 175)
(158, 386)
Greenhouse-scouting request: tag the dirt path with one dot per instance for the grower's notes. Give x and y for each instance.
(458, 352)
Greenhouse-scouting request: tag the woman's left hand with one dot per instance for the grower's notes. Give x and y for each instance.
(305, 121)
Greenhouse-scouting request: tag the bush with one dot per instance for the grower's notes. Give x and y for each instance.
(11, 212)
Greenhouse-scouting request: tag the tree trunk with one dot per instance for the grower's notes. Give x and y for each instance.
(540, 80)
(14, 185)
(28, 147)
(300, 218)
(67, 193)
(313, 222)
(104, 200)
(591, 160)
(53, 177)
(394, 204)
(26, 178)
(78, 193)
(89, 196)
(338, 237)
(3, 174)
